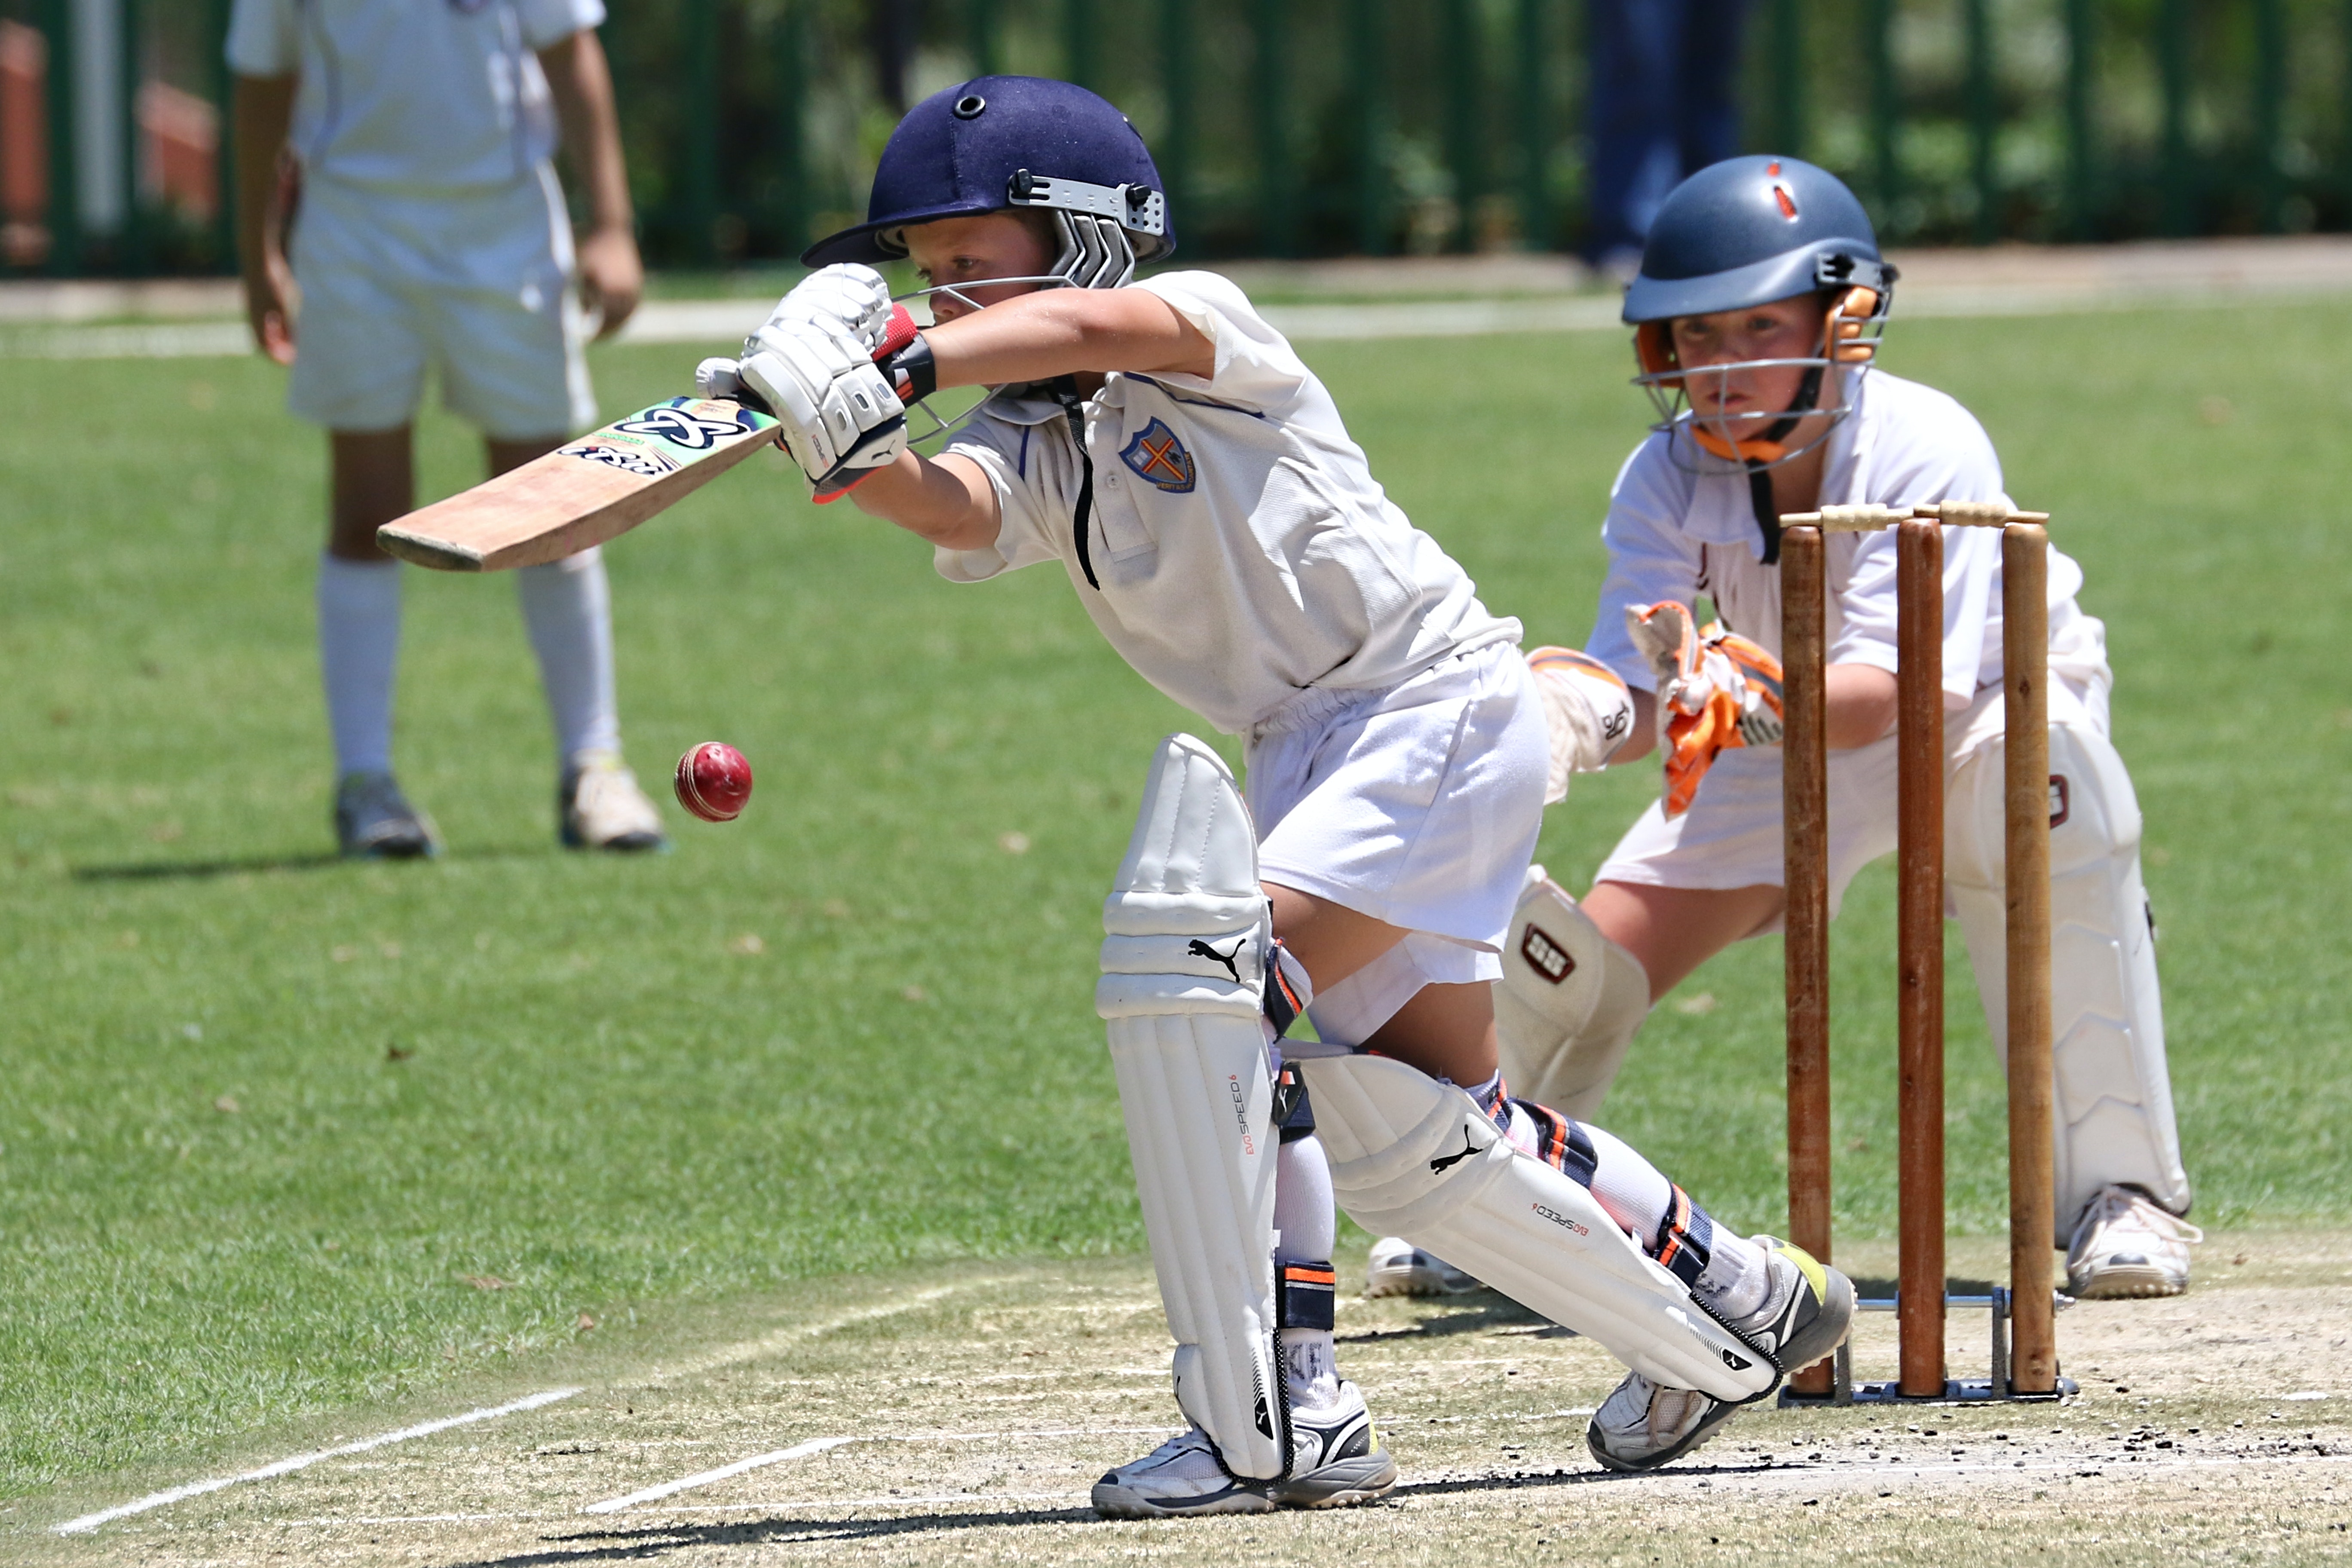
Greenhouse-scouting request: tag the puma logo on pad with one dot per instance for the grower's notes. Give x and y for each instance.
(1230, 960)
(1439, 1168)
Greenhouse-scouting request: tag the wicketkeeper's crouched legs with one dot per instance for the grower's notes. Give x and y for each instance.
(2114, 1122)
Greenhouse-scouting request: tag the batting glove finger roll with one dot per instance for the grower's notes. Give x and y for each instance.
(853, 299)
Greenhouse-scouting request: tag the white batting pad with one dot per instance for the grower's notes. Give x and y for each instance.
(1182, 995)
(2114, 1121)
(1416, 1158)
(1567, 1004)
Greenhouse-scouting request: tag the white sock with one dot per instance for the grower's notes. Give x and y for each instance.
(1739, 1277)
(1305, 1212)
(1637, 1195)
(1306, 1219)
(569, 611)
(359, 648)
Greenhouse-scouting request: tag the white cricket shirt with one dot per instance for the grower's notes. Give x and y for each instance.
(1245, 553)
(1675, 535)
(419, 95)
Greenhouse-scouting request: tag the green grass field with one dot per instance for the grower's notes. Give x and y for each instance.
(265, 1113)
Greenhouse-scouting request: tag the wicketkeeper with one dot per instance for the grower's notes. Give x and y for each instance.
(1755, 317)
(1166, 447)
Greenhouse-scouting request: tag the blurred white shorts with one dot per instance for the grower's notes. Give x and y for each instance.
(1417, 806)
(476, 284)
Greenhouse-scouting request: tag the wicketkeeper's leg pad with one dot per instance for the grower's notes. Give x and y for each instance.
(1417, 1158)
(2114, 1122)
(1568, 1005)
(1183, 997)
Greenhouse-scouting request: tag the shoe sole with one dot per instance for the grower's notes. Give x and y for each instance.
(1697, 1438)
(627, 844)
(404, 850)
(1422, 1282)
(1341, 1484)
(2126, 1282)
(1118, 1502)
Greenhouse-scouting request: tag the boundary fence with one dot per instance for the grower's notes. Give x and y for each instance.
(1286, 126)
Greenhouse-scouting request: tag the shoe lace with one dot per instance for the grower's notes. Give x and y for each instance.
(2124, 1209)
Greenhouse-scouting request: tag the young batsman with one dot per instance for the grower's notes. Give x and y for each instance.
(431, 231)
(1760, 299)
(1164, 446)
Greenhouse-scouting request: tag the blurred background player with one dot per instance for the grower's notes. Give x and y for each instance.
(1164, 446)
(1663, 73)
(1756, 312)
(430, 230)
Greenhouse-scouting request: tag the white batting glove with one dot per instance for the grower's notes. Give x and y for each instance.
(846, 297)
(840, 417)
(1587, 711)
(718, 378)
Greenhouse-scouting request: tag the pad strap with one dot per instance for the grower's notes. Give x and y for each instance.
(1685, 1239)
(1309, 1295)
(1294, 1112)
(1561, 1143)
(1287, 991)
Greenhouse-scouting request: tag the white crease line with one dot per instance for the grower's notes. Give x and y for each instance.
(90, 1521)
(724, 1472)
(768, 1344)
(819, 1445)
(798, 1504)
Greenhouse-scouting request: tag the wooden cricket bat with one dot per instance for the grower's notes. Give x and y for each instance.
(585, 491)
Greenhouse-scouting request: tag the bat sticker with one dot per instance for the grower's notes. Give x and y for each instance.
(645, 463)
(682, 427)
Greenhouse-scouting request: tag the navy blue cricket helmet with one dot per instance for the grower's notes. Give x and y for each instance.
(1750, 230)
(1003, 142)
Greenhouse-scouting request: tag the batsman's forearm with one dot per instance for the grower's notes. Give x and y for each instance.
(950, 503)
(1067, 331)
(261, 110)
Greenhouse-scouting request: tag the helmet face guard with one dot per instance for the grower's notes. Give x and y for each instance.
(1853, 321)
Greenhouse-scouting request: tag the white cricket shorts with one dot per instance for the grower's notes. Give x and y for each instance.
(476, 285)
(1417, 806)
(1730, 837)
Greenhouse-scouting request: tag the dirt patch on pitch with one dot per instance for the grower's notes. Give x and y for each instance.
(962, 1414)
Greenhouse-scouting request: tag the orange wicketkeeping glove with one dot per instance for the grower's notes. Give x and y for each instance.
(1716, 690)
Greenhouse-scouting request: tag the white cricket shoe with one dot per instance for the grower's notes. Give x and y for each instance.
(1397, 1267)
(2124, 1244)
(1643, 1425)
(1807, 1314)
(1338, 1460)
(1182, 1476)
(602, 808)
(375, 821)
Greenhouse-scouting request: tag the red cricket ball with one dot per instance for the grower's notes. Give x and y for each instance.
(714, 781)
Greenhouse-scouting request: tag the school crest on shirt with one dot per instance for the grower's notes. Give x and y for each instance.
(1160, 458)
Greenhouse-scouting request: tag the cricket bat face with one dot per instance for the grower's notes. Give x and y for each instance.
(584, 492)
